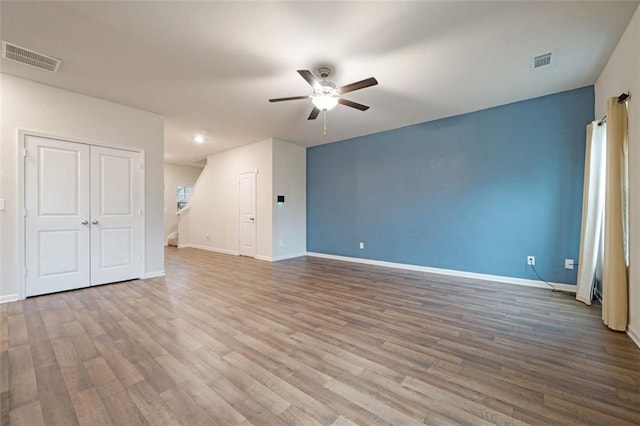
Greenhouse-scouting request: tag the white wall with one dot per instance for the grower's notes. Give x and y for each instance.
(290, 218)
(214, 200)
(281, 229)
(622, 74)
(32, 106)
(174, 176)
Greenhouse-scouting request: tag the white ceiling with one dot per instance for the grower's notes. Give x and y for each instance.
(211, 66)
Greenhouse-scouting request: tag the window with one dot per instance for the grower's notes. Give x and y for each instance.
(182, 197)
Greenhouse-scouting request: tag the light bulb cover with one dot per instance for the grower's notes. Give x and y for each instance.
(198, 138)
(324, 102)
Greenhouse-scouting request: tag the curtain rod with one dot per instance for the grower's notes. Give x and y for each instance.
(624, 97)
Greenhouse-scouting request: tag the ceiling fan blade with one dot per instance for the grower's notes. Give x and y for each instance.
(358, 85)
(292, 98)
(306, 74)
(352, 104)
(314, 114)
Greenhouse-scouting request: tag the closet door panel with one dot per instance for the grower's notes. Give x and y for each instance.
(116, 238)
(57, 215)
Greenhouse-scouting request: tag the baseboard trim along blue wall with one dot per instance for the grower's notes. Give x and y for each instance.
(477, 192)
(436, 273)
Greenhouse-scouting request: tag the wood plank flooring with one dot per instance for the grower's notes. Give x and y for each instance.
(235, 341)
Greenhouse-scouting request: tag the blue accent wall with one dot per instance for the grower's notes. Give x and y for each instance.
(476, 192)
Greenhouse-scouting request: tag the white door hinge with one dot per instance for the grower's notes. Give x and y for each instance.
(25, 212)
(24, 152)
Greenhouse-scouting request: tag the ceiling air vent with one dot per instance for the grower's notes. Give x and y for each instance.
(27, 56)
(542, 61)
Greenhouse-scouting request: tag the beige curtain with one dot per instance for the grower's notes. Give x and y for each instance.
(615, 289)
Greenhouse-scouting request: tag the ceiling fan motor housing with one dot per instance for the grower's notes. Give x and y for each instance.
(325, 88)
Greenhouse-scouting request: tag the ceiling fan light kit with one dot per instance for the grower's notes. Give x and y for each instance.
(326, 95)
(324, 102)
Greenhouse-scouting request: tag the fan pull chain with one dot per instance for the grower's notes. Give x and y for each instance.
(325, 122)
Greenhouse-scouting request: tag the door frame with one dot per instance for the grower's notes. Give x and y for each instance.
(21, 196)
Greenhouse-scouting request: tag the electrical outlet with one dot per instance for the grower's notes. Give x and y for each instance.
(361, 245)
(568, 264)
(207, 236)
(531, 260)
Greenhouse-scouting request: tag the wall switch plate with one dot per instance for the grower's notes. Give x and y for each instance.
(2, 205)
(568, 264)
(531, 260)
(361, 245)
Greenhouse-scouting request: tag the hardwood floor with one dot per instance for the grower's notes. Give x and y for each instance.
(236, 341)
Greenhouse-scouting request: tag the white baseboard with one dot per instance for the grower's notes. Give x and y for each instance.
(278, 258)
(634, 334)
(449, 272)
(289, 256)
(236, 253)
(9, 298)
(154, 274)
(208, 248)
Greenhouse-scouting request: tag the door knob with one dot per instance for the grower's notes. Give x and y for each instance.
(84, 222)
(251, 218)
(94, 222)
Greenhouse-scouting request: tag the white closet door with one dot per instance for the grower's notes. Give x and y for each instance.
(57, 215)
(116, 238)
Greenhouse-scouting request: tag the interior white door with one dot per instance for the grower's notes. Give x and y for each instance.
(57, 215)
(248, 214)
(116, 215)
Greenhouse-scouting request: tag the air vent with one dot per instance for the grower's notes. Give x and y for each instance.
(542, 61)
(16, 53)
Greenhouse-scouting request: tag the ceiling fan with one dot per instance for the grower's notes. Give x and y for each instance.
(326, 94)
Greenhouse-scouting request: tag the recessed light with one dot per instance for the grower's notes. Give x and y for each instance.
(198, 138)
